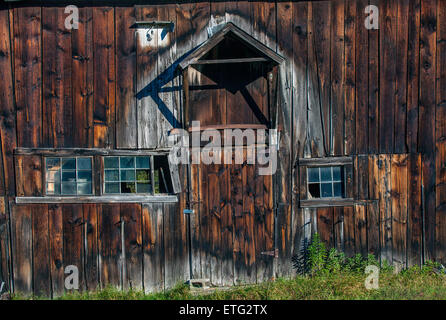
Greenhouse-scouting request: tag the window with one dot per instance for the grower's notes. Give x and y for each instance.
(325, 182)
(137, 175)
(68, 176)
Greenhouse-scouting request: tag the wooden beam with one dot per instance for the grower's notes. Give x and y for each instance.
(240, 34)
(222, 61)
(98, 199)
(61, 152)
(229, 126)
(186, 97)
(154, 24)
(335, 161)
(324, 203)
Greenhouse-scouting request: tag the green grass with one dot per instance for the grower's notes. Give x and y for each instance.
(326, 275)
(412, 284)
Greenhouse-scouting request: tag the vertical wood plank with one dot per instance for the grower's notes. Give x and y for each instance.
(325, 226)
(387, 34)
(146, 71)
(360, 229)
(5, 255)
(174, 247)
(126, 112)
(315, 134)
(57, 108)
(440, 131)
(361, 79)
(110, 245)
(374, 88)
(322, 39)
(55, 230)
(132, 219)
(237, 207)
(399, 210)
(153, 247)
(337, 78)
(281, 86)
(413, 73)
(215, 217)
(104, 76)
(338, 225)
(91, 212)
(401, 76)
(373, 218)
(195, 221)
(248, 223)
(227, 227)
(362, 177)
(349, 231)
(168, 109)
(73, 239)
(350, 77)
(21, 249)
(27, 67)
(385, 207)
(41, 251)
(82, 80)
(415, 219)
(7, 107)
(426, 145)
(29, 175)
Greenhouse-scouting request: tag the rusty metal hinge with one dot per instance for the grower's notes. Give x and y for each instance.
(273, 253)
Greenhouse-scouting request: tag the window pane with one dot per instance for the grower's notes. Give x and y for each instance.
(84, 188)
(53, 176)
(84, 176)
(144, 188)
(326, 190)
(313, 174)
(326, 174)
(143, 162)
(69, 164)
(314, 190)
(111, 162)
(128, 187)
(143, 175)
(69, 176)
(162, 170)
(336, 173)
(337, 189)
(68, 188)
(53, 163)
(128, 175)
(112, 188)
(127, 162)
(157, 181)
(111, 175)
(84, 163)
(53, 188)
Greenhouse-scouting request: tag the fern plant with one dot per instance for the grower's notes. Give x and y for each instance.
(317, 255)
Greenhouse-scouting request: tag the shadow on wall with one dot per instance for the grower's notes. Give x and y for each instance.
(155, 87)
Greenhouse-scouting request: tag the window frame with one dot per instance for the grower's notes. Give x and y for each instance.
(331, 182)
(97, 196)
(346, 164)
(152, 181)
(45, 181)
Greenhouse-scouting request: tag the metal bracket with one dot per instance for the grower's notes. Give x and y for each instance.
(274, 253)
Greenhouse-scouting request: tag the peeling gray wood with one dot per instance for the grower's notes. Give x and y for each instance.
(98, 199)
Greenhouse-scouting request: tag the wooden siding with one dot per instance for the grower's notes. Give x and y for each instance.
(376, 95)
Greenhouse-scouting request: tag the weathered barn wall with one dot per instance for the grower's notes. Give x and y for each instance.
(344, 90)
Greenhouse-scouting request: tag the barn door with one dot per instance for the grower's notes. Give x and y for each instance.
(232, 225)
